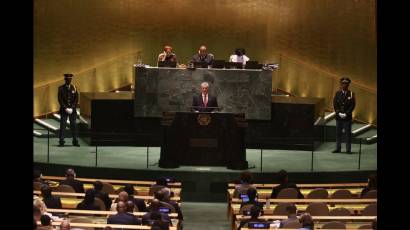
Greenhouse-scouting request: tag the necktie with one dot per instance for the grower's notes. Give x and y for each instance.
(205, 100)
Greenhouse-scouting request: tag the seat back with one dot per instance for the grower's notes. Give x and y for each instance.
(82, 220)
(245, 208)
(370, 210)
(108, 188)
(64, 188)
(280, 209)
(318, 193)
(318, 209)
(288, 193)
(334, 225)
(99, 203)
(365, 226)
(342, 194)
(292, 224)
(372, 194)
(340, 212)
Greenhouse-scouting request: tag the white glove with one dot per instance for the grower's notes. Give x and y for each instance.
(69, 110)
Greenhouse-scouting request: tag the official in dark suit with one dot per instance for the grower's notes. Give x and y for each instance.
(344, 103)
(204, 102)
(203, 56)
(77, 185)
(122, 217)
(68, 100)
(139, 203)
(284, 183)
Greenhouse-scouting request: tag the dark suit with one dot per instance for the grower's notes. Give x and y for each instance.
(52, 202)
(277, 189)
(344, 102)
(253, 202)
(68, 98)
(208, 58)
(290, 219)
(147, 217)
(177, 209)
(244, 223)
(123, 218)
(76, 184)
(198, 103)
(104, 197)
(140, 204)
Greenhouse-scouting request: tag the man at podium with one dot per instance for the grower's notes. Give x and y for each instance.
(204, 102)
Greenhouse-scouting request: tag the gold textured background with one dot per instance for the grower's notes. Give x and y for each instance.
(315, 41)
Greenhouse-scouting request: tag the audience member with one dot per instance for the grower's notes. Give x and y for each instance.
(154, 208)
(163, 195)
(98, 186)
(291, 210)
(139, 203)
(77, 185)
(122, 217)
(88, 202)
(284, 183)
(45, 223)
(37, 177)
(65, 225)
(371, 184)
(49, 200)
(306, 221)
(246, 180)
(255, 213)
(122, 196)
(252, 194)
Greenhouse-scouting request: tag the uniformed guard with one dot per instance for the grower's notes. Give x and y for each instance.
(344, 103)
(68, 99)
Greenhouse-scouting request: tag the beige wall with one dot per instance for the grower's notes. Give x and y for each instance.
(100, 39)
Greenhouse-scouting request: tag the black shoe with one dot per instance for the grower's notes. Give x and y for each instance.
(336, 151)
(349, 152)
(61, 145)
(76, 144)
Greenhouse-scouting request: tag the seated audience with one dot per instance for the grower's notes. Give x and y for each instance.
(371, 184)
(42, 207)
(50, 200)
(203, 56)
(122, 217)
(291, 210)
(98, 186)
(306, 221)
(284, 183)
(158, 223)
(167, 54)
(154, 209)
(36, 213)
(45, 223)
(255, 213)
(88, 202)
(246, 179)
(77, 185)
(122, 196)
(37, 177)
(139, 203)
(252, 194)
(164, 195)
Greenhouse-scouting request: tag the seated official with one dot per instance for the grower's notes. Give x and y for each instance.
(139, 203)
(122, 217)
(252, 194)
(284, 183)
(167, 55)
(77, 185)
(203, 56)
(99, 193)
(204, 102)
(88, 202)
(371, 185)
(239, 56)
(153, 210)
(292, 217)
(255, 213)
(246, 179)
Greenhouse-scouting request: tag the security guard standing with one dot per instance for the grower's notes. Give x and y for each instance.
(344, 103)
(68, 99)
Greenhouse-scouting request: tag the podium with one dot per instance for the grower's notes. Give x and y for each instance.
(203, 139)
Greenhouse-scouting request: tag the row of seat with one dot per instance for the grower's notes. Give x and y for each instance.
(317, 193)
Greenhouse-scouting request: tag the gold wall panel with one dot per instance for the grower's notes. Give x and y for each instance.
(98, 40)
